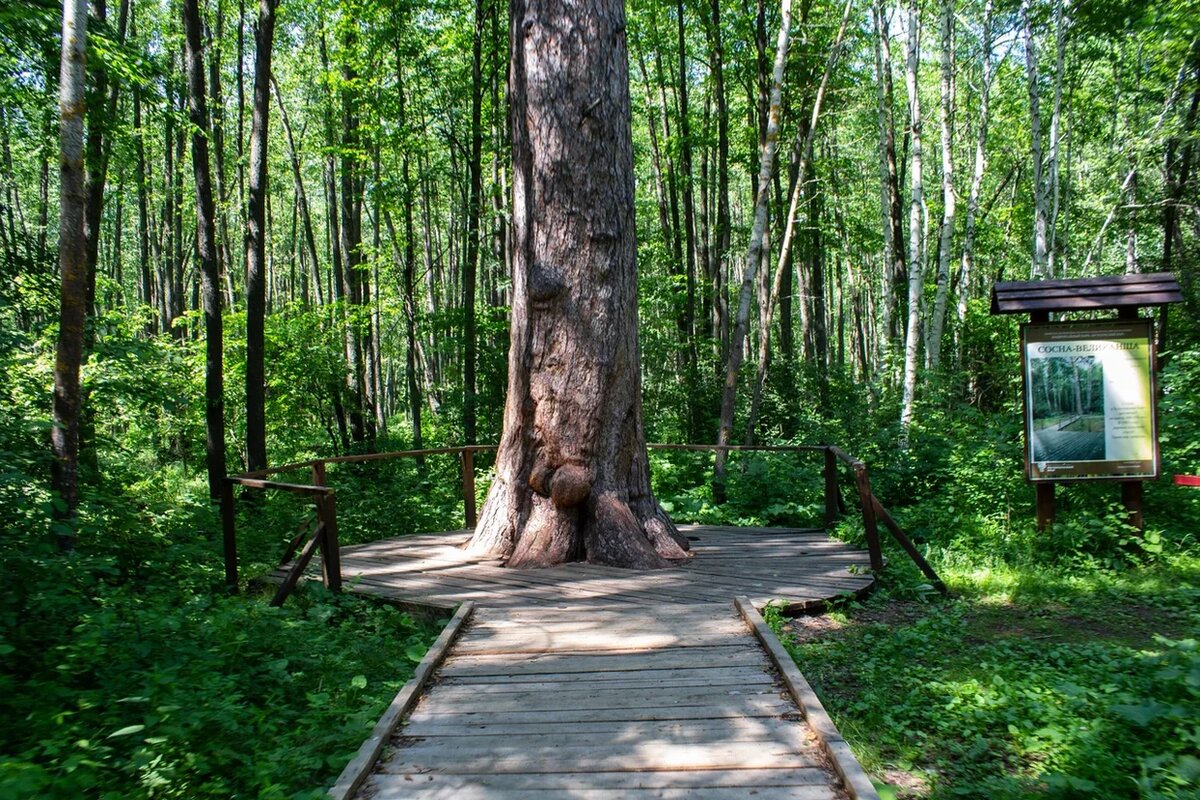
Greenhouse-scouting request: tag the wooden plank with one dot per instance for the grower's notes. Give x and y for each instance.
(368, 753)
(598, 757)
(766, 730)
(459, 701)
(393, 787)
(674, 658)
(732, 728)
(579, 641)
(756, 705)
(694, 676)
(615, 780)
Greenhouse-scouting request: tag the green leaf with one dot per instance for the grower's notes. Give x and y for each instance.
(127, 730)
(414, 652)
(1142, 714)
(359, 681)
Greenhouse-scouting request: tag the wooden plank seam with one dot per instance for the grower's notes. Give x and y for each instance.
(361, 765)
(854, 778)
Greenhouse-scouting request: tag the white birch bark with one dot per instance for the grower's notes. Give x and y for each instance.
(72, 260)
(754, 252)
(968, 251)
(1061, 23)
(949, 199)
(805, 149)
(884, 112)
(1040, 264)
(915, 214)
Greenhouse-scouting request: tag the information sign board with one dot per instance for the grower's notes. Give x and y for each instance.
(1089, 400)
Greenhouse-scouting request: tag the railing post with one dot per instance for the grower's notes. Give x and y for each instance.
(468, 486)
(332, 563)
(831, 488)
(229, 534)
(331, 558)
(870, 523)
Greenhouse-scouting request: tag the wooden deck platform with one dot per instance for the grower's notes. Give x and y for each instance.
(597, 683)
(803, 568)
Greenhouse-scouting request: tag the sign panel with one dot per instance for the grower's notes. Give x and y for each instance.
(1089, 400)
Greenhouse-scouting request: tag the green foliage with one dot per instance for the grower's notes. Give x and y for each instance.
(124, 670)
(1065, 696)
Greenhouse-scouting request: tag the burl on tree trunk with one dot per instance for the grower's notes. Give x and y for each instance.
(572, 477)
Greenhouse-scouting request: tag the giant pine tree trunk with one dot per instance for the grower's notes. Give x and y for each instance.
(572, 476)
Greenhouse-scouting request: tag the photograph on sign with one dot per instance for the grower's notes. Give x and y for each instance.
(1089, 400)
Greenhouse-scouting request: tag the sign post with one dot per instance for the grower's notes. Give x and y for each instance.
(1089, 385)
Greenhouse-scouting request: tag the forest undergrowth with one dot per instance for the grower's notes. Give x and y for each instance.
(1065, 665)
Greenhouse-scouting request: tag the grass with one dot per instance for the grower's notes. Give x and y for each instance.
(1031, 682)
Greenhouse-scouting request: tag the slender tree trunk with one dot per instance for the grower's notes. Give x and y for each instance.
(968, 248)
(72, 264)
(256, 420)
(933, 355)
(1061, 24)
(1041, 266)
(474, 210)
(572, 476)
(352, 188)
(722, 233)
(214, 382)
(310, 241)
(912, 338)
(101, 113)
(754, 252)
(805, 138)
(688, 326)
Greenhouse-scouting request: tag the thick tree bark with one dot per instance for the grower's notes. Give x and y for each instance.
(72, 262)
(754, 253)
(206, 245)
(256, 420)
(572, 475)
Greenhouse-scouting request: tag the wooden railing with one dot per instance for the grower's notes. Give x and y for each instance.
(323, 534)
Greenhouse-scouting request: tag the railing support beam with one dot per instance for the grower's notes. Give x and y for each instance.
(468, 486)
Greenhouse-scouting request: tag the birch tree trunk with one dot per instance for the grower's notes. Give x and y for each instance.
(572, 475)
(915, 230)
(968, 248)
(72, 263)
(753, 254)
(1052, 162)
(933, 355)
(806, 136)
(1040, 266)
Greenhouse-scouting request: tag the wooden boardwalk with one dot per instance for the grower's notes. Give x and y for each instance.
(594, 683)
(801, 567)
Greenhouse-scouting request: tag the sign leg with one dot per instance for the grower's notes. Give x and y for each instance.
(1045, 506)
